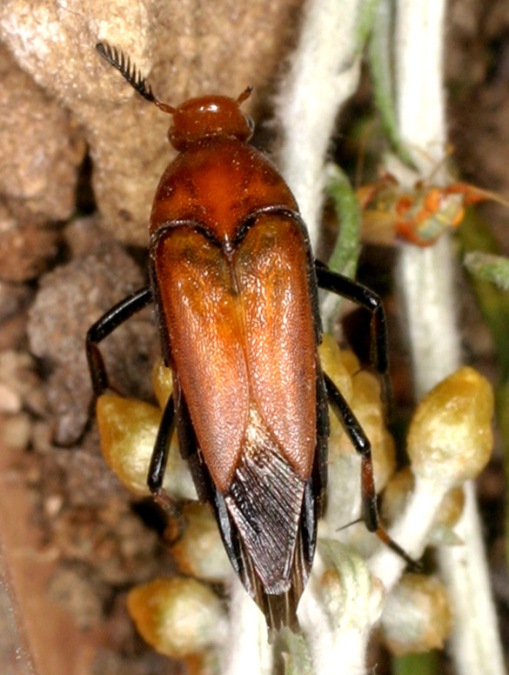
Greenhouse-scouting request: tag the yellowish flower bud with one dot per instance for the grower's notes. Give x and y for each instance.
(450, 436)
(351, 362)
(128, 430)
(177, 616)
(417, 616)
(333, 363)
(362, 391)
(199, 552)
(162, 382)
(348, 591)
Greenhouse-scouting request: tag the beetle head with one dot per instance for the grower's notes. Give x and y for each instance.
(207, 116)
(193, 120)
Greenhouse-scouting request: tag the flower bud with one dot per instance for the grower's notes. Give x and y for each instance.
(350, 595)
(162, 382)
(128, 430)
(177, 616)
(332, 359)
(362, 392)
(450, 437)
(417, 616)
(199, 552)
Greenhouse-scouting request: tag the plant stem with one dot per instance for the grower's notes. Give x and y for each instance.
(323, 73)
(345, 256)
(426, 284)
(247, 650)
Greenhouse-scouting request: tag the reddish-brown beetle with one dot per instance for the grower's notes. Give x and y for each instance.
(235, 289)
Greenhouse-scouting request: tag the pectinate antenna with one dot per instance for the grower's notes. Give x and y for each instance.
(129, 72)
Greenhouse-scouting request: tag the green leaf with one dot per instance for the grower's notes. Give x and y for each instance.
(489, 267)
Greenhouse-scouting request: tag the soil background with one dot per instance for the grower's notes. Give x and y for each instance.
(75, 192)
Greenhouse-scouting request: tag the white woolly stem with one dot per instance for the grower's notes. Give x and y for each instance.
(411, 531)
(247, 650)
(426, 286)
(337, 614)
(426, 283)
(475, 641)
(323, 73)
(426, 275)
(420, 92)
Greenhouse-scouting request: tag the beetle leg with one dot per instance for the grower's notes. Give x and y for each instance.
(368, 299)
(113, 318)
(363, 447)
(159, 457)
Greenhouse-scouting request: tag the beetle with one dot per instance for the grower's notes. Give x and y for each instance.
(235, 291)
